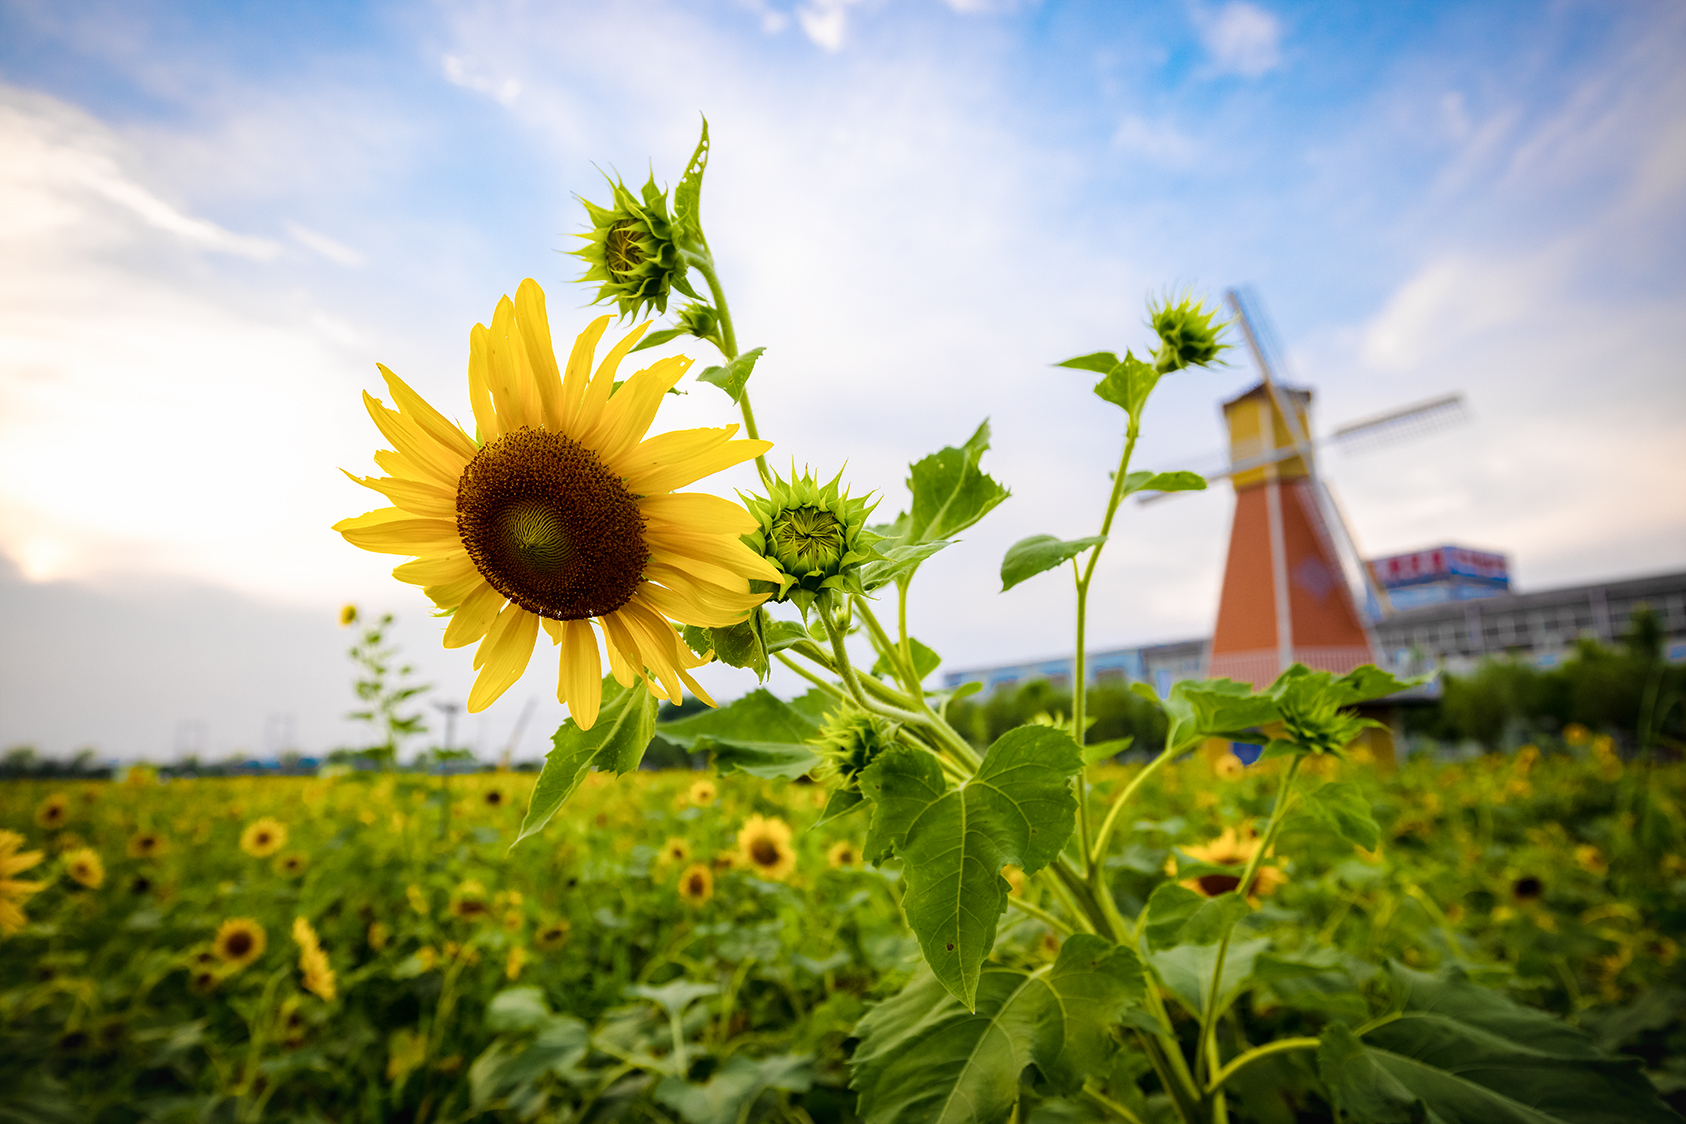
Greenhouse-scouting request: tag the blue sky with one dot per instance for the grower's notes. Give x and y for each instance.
(216, 218)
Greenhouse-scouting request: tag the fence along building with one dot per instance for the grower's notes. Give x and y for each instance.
(1452, 635)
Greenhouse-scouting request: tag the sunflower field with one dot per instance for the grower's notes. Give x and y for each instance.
(679, 947)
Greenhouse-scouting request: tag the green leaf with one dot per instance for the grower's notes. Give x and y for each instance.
(897, 562)
(517, 1008)
(1174, 482)
(732, 1090)
(1019, 808)
(1100, 362)
(507, 1077)
(732, 377)
(925, 661)
(840, 803)
(780, 635)
(1029, 557)
(1112, 747)
(656, 339)
(1177, 915)
(758, 734)
(626, 721)
(950, 491)
(1207, 708)
(675, 995)
(687, 197)
(740, 645)
(1471, 1055)
(1360, 1084)
(1187, 971)
(924, 1057)
(1341, 808)
(1128, 384)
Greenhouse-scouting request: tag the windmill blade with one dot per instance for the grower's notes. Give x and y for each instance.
(1418, 420)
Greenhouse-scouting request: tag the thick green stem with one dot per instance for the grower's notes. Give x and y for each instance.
(906, 674)
(1209, 1019)
(704, 264)
(1041, 915)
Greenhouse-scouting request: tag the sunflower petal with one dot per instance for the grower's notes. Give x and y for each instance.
(390, 530)
(625, 663)
(533, 323)
(419, 449)
(647, 629)
(596, 395)
(723, 551)
(511, 646)
(448, 595)
(426, 418)
(415, 496)
(691, 609)
(436, 568)
(627, 416)
(696, 688)
(508, 375)
(579, 375)
(697, 511)
(673, 460)
(480, 384)
(579, 682)
(473, 617)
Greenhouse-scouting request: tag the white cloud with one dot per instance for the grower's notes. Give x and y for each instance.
(1241, 38)
(337, 252)
(1158, 142)
(826, 21)
(458, 74)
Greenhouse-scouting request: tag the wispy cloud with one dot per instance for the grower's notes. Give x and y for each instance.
(826, 22)
(1158, 142)
(459, 73)
(337, 252)
(1240, 38)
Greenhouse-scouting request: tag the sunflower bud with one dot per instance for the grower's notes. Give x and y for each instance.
(633, 250)
(815, 536)
(849, 742)
(1187, 336)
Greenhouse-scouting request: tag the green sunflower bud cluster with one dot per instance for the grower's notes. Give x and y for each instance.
(634, 250)
(848, 742)
(813, 534)
(1187, 335)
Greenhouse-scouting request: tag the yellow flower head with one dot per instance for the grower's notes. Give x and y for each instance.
(562, 513)
(14, 893)
(702, 793)
(85, 866)
(418, 899)
(379, 934)
(843, 853)
(1015, 879)
(517, 960)
(313, 962)
(348, 615)
(676, 850)
(239, 941)
(764, 847)
(1589, 858)
(469, 902)
(494, 798)
(291, 865)
(696, 885)
(263, 837)
(1576, 734)
(1229, 849)
(552, 937)
(53, 812)
(146, 845)
(1228, 767)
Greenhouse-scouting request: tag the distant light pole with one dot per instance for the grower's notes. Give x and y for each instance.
(449, 710)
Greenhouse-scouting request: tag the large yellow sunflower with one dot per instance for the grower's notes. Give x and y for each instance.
(562, 513)
(14, 892)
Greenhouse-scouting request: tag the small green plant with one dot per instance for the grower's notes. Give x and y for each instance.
(385, 687)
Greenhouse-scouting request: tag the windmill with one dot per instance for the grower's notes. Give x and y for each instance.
(1296, 588)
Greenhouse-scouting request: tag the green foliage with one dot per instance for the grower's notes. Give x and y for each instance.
(1018, 809)
(1456, 1051)
(1117, 712)
(616, 742)
(734, 375)
(925, 1057)
(950, 493)
(1029, 557)
(759, 734)
(385, 689)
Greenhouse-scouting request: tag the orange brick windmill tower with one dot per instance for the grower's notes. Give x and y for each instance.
(1294, 576)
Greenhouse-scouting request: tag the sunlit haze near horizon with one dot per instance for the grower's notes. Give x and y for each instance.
(216, 218)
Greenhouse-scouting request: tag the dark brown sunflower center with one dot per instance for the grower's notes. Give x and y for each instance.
(238, 944)
(622, 250)
(694, 886)
(550, 527)
(765, 852)
(1214, 884)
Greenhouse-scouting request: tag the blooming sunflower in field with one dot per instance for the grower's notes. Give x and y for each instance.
(1229, 849)
(764, 847)
(263, 838)
(843, 853)
(561, 513)
(13, 893)
(701, 793)
(53, 812)
(85, 866)
(676, 851)
(146, 845)
(552, 937)
(291, 865)
(239, 941)
(696, 885)
(317, 976)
